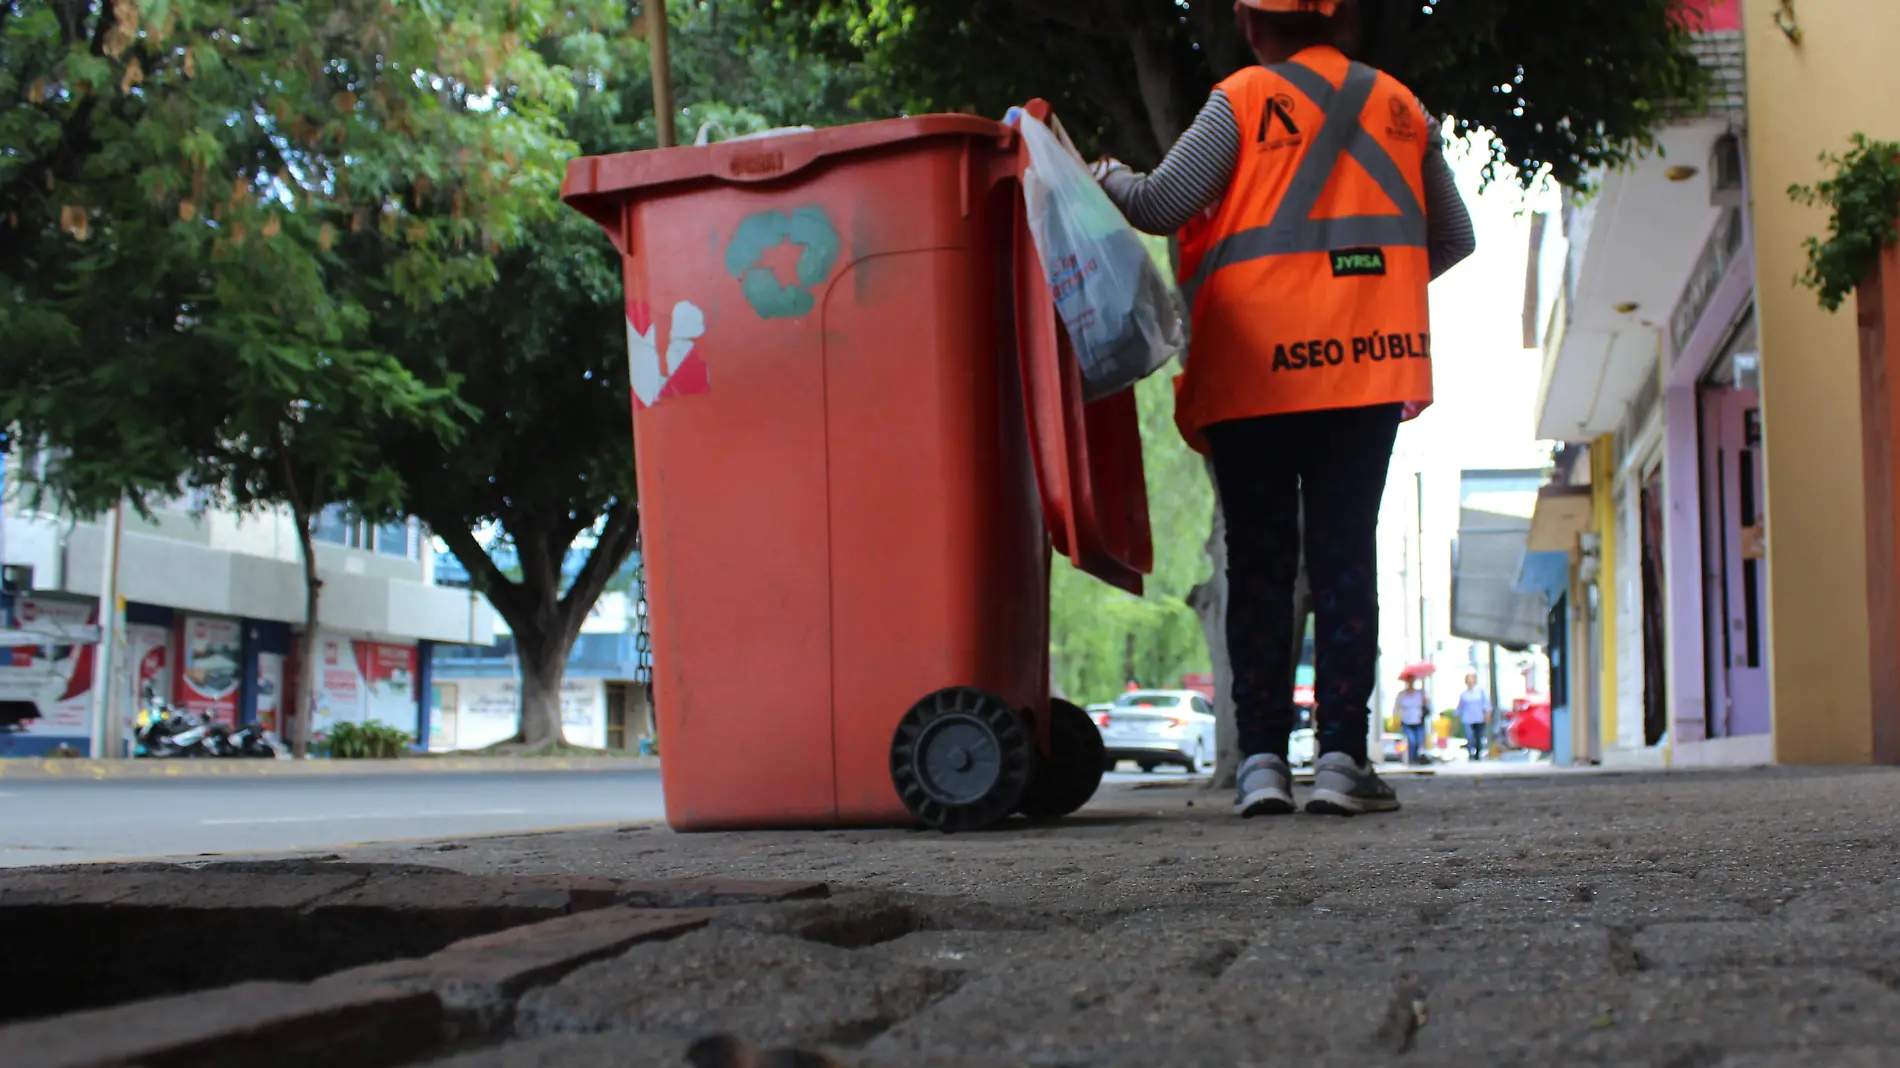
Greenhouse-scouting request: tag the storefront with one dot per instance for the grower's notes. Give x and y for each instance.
(1715, 570)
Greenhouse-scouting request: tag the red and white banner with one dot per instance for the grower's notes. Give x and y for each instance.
(209, 666)
(360, 681)
(57, 678)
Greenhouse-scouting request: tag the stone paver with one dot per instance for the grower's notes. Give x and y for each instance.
(1680, 920)
(279, 1024)
(1746, 919)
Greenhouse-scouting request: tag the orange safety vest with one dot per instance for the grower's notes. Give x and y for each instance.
(1307, 282)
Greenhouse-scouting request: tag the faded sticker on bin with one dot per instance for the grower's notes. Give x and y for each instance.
(779, 259)
(676, 370)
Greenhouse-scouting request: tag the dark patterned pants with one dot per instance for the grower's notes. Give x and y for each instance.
(1335, 462)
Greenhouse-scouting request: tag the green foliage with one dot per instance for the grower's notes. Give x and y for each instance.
(1128, 75)
(189, 191)
(1100, 637)
(1863, 197)
(364, 741)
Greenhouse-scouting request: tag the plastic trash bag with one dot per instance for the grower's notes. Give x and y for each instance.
(1122, 316)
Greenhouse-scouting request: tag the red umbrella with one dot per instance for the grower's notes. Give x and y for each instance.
(1422, 669)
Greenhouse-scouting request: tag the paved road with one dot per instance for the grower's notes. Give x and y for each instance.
(58, 822)
(54, 822)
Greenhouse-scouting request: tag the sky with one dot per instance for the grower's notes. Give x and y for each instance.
(1483, 416)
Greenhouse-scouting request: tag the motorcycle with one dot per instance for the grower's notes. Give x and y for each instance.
(168, 733)
(256, 743)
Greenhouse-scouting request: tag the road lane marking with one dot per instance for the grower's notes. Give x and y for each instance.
(332, 817)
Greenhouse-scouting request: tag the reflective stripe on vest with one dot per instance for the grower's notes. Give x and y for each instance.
(1293, 230)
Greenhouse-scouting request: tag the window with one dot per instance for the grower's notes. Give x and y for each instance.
(336, 526)
(1153, 700)
(392, 539)
(332, 525)
(1201, 706)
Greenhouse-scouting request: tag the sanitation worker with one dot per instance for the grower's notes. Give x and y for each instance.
(1313, 205)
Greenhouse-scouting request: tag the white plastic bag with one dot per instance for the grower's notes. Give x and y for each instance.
(1122, 316)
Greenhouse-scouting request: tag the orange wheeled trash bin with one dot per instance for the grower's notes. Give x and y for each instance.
(859, 431)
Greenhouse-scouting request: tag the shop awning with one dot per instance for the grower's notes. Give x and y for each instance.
(1562, 513)
(1486, 605)
(1546, 574)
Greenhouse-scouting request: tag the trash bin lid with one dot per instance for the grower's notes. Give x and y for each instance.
(596, 186)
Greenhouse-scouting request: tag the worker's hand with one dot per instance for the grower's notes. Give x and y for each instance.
(1105, 166)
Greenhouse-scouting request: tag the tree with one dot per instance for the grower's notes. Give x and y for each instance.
(1102, 638)
(188, 188)
(1127, 76)
(546, 456)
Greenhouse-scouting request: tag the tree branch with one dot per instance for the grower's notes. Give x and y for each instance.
(610, 550)
(501, 591)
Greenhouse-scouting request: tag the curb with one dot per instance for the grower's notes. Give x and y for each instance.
(18, 768)
(431, 963)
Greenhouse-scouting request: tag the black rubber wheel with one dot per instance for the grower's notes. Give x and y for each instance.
(962, 759)
(1073, 772)
(1148, 767)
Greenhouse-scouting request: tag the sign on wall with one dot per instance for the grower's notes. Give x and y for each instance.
(210, 666)
(57, 677)
(270, 690)
(489, 711)
(361, 681)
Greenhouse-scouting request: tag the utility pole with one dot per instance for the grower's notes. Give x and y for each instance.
(107, 732)
(1491, 718)
(662, 73)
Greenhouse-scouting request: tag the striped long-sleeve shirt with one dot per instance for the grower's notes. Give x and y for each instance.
(1195, 173)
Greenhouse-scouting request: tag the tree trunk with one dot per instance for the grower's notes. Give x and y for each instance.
(543, 669)
(1209, 601)
(303, 705)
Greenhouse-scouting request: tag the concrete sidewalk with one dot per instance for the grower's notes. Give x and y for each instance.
(1679, 919)
(40, 768)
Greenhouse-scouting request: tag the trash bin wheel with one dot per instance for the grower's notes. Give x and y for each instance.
(1073, 772)
(962, 759)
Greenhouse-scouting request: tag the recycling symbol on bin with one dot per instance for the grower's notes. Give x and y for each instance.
(806, 229)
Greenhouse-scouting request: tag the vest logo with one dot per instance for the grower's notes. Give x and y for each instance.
(1404, 125)
(1353, 262)
(1279, 107)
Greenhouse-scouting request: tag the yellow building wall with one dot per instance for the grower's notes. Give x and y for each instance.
(1603, 505)
(1804, 99)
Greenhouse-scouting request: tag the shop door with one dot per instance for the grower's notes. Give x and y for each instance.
(1655, 639)
(1735, 566)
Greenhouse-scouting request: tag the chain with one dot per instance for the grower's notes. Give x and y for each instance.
(642, 641)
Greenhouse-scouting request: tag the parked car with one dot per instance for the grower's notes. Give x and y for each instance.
(1303, 748)
(1156, 727)
(1392, 748)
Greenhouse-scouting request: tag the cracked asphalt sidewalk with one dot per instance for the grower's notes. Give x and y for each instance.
(1680, 919)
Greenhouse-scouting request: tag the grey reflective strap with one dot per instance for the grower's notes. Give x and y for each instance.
(1363, 147)
(1293, 230)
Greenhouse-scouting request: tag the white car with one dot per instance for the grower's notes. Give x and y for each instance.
(1156, 727)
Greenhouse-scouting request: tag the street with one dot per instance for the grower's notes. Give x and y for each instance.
(57, 822)
(61, 822)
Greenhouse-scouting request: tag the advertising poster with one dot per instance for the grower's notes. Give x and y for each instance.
(270, 690)
(339, 697)
(148, 649)
(360, 681)
(55, 678)
(211, 655)
(389, 679)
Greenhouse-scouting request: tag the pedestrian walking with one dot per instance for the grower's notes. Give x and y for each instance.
(1412, 709)
(1311, 342)
(1474, 711)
